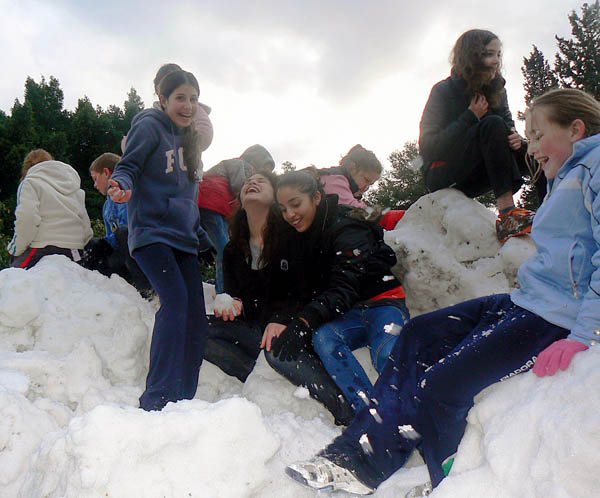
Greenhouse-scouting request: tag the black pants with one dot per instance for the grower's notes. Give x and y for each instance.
(233, 346)
(32, 255)
(308, 371)
(480, 162)
(99, 255)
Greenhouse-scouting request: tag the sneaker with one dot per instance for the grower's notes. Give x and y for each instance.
(420, 491)
(324, 475)
(516, 222)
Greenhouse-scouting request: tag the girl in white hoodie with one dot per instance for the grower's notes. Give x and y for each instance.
(50, 217)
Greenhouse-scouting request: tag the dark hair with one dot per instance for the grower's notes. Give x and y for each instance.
(191, 139)
(363, 159)
(107, 160)
(467, 63)
(305, 181)
(565, 105)
(162, 72)
(239, 229)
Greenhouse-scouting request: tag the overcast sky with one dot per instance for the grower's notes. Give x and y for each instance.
(307, 79)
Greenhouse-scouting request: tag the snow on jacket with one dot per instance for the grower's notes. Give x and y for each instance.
(50, 209)
(561, 281)
(221, 185)
(447, 118)
(343, 261)
(162, 207)
(337, 181)
(114, 215)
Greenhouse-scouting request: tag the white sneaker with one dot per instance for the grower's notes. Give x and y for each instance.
(324, 475)
(420, 491)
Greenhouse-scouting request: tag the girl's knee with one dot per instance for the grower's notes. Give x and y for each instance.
(325, 340)
(493, 124)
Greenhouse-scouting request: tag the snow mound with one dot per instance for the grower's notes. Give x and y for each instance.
(533, 437)
(448, 252)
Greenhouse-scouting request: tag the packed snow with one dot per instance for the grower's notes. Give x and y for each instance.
(74, 355)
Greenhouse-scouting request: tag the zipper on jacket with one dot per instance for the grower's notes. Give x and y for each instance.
(574, 283)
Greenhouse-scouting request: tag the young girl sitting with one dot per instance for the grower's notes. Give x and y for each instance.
(468, 140)
(50, 217)
(358, 170)
(158, 177)
(257, 276)
(350, 299)
(443, 359)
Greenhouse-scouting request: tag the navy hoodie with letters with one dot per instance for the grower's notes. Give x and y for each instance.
(162, 207)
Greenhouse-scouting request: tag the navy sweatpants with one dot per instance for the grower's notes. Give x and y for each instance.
(180, 326)
(440, 361)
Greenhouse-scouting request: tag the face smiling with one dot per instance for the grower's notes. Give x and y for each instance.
(181, 105)
(549, 143)
(298, 208)
(363, 179)
(257, 189)
(492, 57)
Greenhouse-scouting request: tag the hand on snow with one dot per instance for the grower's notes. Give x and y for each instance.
(227, 308)
(294, 340)
(272, 331)
(116, 193)
(558, 354)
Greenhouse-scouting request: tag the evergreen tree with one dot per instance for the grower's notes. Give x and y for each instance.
(133, 105)
(539, 77)
(577, 64)
(401, 186)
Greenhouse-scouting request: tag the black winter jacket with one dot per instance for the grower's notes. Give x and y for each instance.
(447, 118)
(340, 262)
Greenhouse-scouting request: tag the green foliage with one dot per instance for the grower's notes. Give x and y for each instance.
(577, 62)
(401, 186)
(76, 138)
(286, 167)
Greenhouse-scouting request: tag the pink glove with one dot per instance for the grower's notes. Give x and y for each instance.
(558, 354)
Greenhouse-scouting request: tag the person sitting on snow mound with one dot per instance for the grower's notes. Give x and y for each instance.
(219, 193)
(258, 278)
(110, 254)
(442, 359)
(357, 171)
(50, 217)
(468, 139)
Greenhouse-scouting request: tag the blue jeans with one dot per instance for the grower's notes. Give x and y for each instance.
(217, 229)
(359, 327)
(180, 326)
(440, 361)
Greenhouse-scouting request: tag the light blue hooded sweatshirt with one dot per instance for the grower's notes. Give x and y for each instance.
(561, 281)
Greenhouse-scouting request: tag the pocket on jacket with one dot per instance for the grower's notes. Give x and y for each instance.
(181, 215)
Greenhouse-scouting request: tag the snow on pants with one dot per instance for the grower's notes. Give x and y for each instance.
(440, 361)
(180, 326)
(480, 162)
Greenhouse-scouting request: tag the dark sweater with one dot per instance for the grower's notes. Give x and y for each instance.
(162, 207)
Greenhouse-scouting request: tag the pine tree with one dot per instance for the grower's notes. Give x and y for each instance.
(401, 186)
(539, 77)
(133, 105)
(577, 64)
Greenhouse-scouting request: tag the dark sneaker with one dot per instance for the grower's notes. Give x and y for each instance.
(324, 475)
(514, 223)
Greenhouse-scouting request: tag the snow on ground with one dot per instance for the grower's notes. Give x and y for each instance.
(74, 354)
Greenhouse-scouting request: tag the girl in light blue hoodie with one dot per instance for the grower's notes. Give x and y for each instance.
(441, 360)
(158, 177)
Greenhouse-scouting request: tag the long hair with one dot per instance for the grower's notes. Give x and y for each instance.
(191, 138)
(34, 157)
(467, 63)
(239, 230)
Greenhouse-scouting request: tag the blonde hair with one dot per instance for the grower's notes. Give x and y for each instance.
(107, 160)
(563, 106)
(34, 157)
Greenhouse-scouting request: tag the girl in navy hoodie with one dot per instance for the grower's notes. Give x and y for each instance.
(158, 177)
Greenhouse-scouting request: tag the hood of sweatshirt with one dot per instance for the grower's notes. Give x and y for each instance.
(60, 176)
(258, 157)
